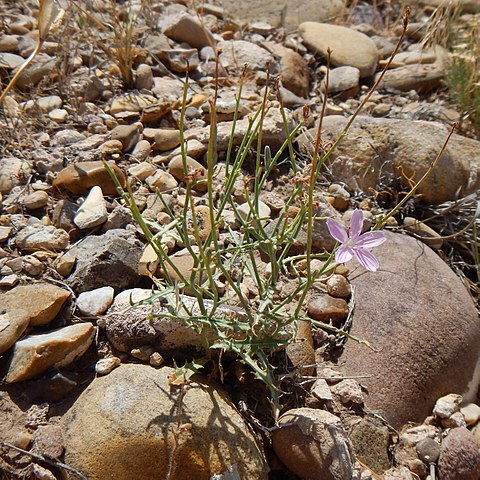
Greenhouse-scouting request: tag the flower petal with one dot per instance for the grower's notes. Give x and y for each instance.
(337, 230)
(343, 254)
(366, 259)
(370, 239)
(356, 223)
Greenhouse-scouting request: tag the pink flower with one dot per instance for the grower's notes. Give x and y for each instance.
(355, 243)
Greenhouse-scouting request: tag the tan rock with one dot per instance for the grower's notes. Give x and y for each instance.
(185, 28)
(148, 263)
(162, 181)
(165, 139)
(39, 237)
(123, 422)
(93, 211)
(203, 222)
(349, 47)
(338, 286)
(132, 102)
(142, 170)
(312, 444)
(428, 235)
(194, 171)
(80, 177)
(325, 308)
(35, 200)
(128, 135)
(35, 354)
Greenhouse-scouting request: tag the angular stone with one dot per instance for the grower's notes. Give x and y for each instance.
(312, 444)
(122, 424)
(110, 259)
(35, 354)
(162, 181)
(446, 406)
(349, 47)
(93, 211)
(412, 294)
(80, 177)
(185, 28)
(18, 311)
(40, 237)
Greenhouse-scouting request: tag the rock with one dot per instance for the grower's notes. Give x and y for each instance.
(80, 177)
(181, 60)
(203, 222)
(283, 14)
(301, 353)
(471, 413)
(236, 53)
(338, 286)
(132, 102)
(105, 365)
(35, 354)
(35, 200)
(246, 213)
(110, 259)
(348, 392)
(40, 69)
(428, 236)
(144, 77)
(399, 473)
(349, 47)
(459, 456)
(63, 215)
(185, 28)
(195, 171)
(165, 139)
(53, 387)
(58, 115)
(446, 406)
(142, 170)
(49, 103)
(95, 302)
(5, 233)
(128, 135)
(312, 444)
(13, 172)
(428, 450)
(404, 149)
(18, 311)
(122, 424)
(294, 72)
(67, 137)
(344, 80)
(93, 211)
(370, 440)
(422, 78)
(13, 427)
(426, 296)
(40, 237)
(10, 61)
(149, 261)
(325, 308)
(8, 44)
(162, 181)
(141, 151)
(48, 441)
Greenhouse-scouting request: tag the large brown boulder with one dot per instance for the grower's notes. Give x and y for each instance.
(421, 320)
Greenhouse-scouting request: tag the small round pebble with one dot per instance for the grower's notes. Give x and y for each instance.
(338, 286)
(428, 450)
(95, 302)
(105, 365)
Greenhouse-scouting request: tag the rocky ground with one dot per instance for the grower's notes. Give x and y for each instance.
(90, 389)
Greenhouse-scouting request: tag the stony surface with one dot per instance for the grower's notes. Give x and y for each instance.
(35, 354)
(125, 422)
(400, 324)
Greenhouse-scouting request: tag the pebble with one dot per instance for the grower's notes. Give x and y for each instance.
(148, 263)
(203, 221)
(9, 281)
(13, 171)
(93, 211)
(344, 80)
(58, 115)
(40, 237)
(164, 139)
(325, 308)
(338, 286)
(128, 135)
(264, 212)
(141, 151)
(5, 233)
(471, 413)
(35, 200)
(428, 450)
(446, 406)
(95, 302)
(144, 77)
(348, 391)
(142, 170)
(49, 103)
(162, 181)
(132, 102)
(67, 137)
(176, 168)
(105, 365)
(80, 177)
(65, 263)
(185, 28)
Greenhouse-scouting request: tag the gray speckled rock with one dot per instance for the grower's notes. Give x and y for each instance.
(121, 427)
(420, 317)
